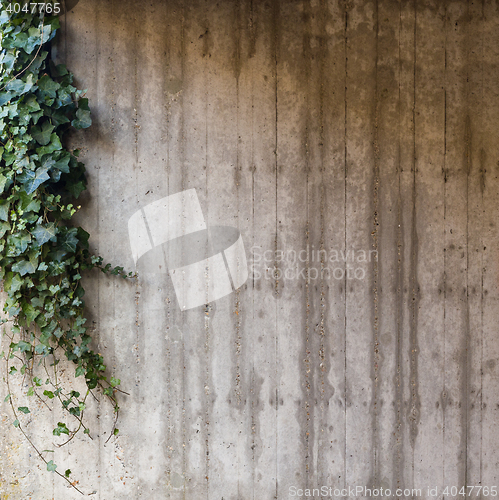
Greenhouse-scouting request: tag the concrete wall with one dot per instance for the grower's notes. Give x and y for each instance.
(349, 126)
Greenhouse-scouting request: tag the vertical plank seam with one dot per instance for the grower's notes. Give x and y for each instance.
(322, 356)
(170, 391)
(136, 170)
(238, 176)
(376, 181)
(306, 361)
(182, 181)
(253, 396)
(482, 251)
(252, 381)
(275, 15)
(398, 466)
(99, 279)
(444, 393)
(414, 413)
(206, 316)
(345, 238)
(468, 150)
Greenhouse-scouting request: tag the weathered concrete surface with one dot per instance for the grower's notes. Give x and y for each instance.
(346, 126)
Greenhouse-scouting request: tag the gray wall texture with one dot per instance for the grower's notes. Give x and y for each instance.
(342, 126)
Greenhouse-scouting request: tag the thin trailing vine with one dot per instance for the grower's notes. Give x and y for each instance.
(42, 254)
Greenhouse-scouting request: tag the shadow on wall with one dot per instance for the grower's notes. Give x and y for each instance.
(68, 5)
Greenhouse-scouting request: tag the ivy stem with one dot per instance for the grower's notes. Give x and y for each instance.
(21, 428)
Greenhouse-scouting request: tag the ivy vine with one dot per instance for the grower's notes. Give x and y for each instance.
(42, 254)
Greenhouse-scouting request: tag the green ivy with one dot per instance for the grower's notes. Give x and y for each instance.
(42, 254)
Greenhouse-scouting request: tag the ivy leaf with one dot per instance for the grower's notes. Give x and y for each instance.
(22, 346)
(42, 134)
(60, 429)
(43, 266)
(70, 240)
(55, 175)
(55, 145)
(18, 243)
(83, 119)
(33, 40)
(4, 210)
(19, 87)
(29, 203)
(56, 256)
(79, 371)
(83, 103)
(32, 180)
(24, 409)
(4, 17)
(21, 162)
(12, 283)
(63, 164)
(32, 104)
(5, 97)
(49, 394)
(36, 116)
(24, 267)
(16, 86)
(41, 349)
(47, 31)
(76, 189)
(9, 157)
(20, 40)
(30, 312)
(115, 382)
(75, 411)
(62, 70)
(43, 234)
(48, 86)
(4, 227)
(67, 473)
(108, 391)
(3, 181)
(51, 467)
